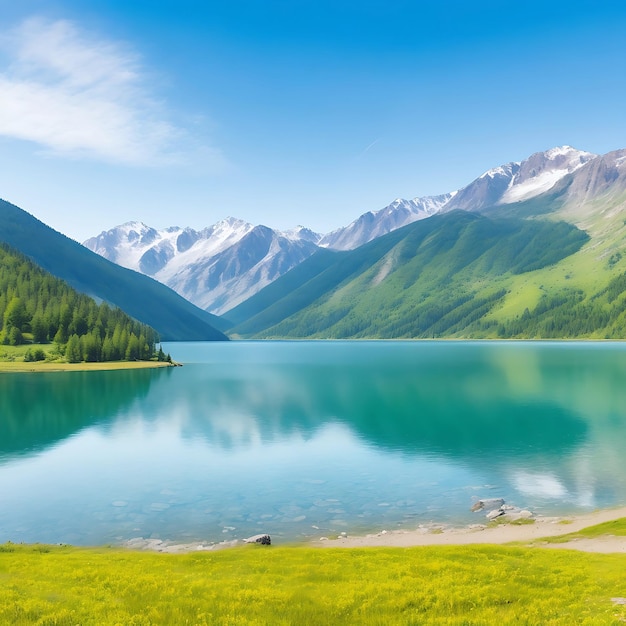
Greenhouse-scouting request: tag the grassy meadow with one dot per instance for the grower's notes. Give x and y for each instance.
(615, 528)
(12, 360)
(256, 585)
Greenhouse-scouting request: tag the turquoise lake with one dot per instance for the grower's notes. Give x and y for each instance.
(308, 439)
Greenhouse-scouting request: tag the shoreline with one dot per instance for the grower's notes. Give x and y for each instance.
(21, 367)
(525, 535)
(544, 527)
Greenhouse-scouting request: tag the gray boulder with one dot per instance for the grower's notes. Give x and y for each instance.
(264, 539)
(488, 503)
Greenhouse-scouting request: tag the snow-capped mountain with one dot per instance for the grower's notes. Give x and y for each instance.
(519, 181)
(215, 268)
(223, 265)
(373, 224)
(301, 233)
(504, 184)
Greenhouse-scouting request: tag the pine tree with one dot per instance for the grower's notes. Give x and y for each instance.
(39, 328)
(15, 336)
(73, 350)
(15, 314)
(133, 349)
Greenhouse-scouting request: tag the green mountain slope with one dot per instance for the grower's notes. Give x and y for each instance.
(307, 282)
(581, 295)
(437, 277)
(173, 317)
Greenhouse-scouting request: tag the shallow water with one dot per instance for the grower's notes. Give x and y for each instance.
(305, 439)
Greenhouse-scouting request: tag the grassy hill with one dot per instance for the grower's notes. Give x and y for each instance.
(437, 277)
(150, 302)
(583, 295)
(550, 267)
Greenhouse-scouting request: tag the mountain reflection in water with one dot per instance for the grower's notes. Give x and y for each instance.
(308, 437)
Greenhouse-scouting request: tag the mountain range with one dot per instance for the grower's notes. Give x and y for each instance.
(223, 265)
(535, 248)
(549, 265)
(215, 268)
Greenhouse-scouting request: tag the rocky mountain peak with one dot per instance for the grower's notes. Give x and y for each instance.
(519, 180)
(601, 175)
(215, 268)
(302, 233)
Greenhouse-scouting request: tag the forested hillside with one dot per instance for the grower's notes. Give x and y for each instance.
(173, 317)
(39, 308)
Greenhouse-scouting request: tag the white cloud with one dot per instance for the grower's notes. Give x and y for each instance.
(80, 96)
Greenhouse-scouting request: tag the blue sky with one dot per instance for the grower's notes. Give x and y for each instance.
(290, 112)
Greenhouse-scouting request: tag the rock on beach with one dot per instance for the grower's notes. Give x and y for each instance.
(264, 539)
(488, 503)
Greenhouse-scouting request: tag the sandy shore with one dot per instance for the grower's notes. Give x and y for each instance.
(528, 534)
(58, 366)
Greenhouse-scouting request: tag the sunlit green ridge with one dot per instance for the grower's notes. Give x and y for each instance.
(550, 267)
(438, 277)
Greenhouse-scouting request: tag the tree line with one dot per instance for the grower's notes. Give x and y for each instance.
(40, 308)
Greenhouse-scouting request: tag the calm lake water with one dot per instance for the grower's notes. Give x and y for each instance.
(305, 439)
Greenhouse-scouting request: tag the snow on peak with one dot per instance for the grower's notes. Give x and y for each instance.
(231, 223)
(558, 151)
(505, 170)
(432, 204)
(562, 155)
(373, 224)
(542, 170)
(128, 227)
(300, 233)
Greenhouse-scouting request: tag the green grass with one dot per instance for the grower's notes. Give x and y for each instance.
(61, 366)
(506, 520)
(16, 353)
(589, 269)
(301, 586)
(12, 360)
(615, 528)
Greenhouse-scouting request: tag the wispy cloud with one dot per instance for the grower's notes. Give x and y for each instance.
(80, 96)
(371, 146)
